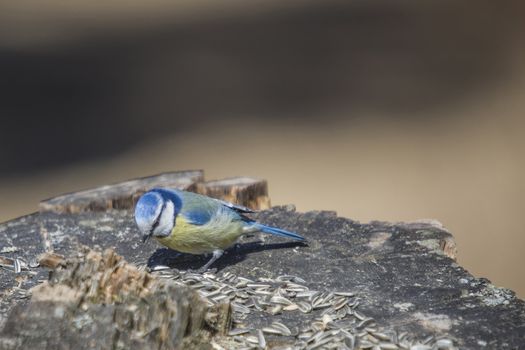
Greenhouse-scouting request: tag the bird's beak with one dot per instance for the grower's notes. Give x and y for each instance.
(146, 237)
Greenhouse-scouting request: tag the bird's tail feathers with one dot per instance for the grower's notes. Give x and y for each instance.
(278, 232)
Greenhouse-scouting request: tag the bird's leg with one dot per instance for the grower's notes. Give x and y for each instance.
(216, 255)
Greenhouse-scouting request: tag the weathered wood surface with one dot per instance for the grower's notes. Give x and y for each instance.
(19, 239)
(249, 192)
(404, 274)
(98, 301)
(119, 196)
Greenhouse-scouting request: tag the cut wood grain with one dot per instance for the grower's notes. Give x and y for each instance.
(121, 195)
(247, 191)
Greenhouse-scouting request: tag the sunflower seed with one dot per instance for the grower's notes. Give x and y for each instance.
(304, 307)
(242, 294)
(328, 297)
(349, 340)
(314, 295)
(238, 331)
(316, 336)
(219, 298)
(444, 344)
(341, 313)
(240, 308)
(321, 306)
(364, 344)
(258, 285)
(330, 311)
(280, 300)
(402, 335)
(305, 335)
(241, 284)
(367, 321)
(16, 266)
(354, 303)
(327, 319)
(271, 330)
(282, 292)
(301, 344)
(372, 339)
(275, 309)
(317, 299)
(359, 316)
(160, 268)
(338, 303)
(257, 305)
(230, 292)
(261, 339)
(317, 326)
(252, 339)
(282, 328)
(291, 307)
(319, 343)
(381, 336)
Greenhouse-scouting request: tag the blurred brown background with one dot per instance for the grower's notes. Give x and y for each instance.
(377, 109)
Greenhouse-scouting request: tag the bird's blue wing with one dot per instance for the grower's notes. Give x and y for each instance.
(236, 207)
(197, 216)
(197, 209)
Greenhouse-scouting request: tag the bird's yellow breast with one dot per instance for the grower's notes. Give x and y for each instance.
(199, 239)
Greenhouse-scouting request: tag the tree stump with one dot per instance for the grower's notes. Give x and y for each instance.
(98, 301)
(119, 196)
(377, 285)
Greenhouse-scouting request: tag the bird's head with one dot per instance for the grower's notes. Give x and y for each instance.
(154, 215)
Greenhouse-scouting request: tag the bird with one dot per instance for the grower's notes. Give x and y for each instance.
(197, 224)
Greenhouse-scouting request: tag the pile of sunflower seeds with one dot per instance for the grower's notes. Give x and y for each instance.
(335, 322)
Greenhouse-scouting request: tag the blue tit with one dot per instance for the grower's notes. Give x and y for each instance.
(196, 224)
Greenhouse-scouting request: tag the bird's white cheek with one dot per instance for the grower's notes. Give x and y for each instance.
(165, 221)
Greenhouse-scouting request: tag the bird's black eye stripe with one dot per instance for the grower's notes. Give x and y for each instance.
(157, 219)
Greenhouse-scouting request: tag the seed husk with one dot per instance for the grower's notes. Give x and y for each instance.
(291, 307)
(282, 327)
(261, 339)
(252, 339)
(280, 300)
(238, 331)
(304, 307)
(275, 309)
(338, 325)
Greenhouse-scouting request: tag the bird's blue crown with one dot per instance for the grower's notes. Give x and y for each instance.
(148, 207)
